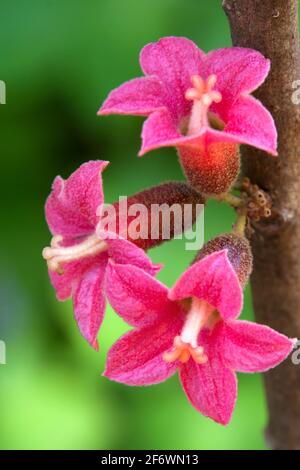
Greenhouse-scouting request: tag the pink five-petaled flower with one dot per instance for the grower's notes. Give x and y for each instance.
(78, 257)
(201, 104)
(192, 327)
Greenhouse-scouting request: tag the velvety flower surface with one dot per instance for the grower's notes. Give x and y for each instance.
(78, 256)
(193, 99)
(193, 328)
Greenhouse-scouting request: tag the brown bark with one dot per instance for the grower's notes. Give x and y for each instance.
(271, 26)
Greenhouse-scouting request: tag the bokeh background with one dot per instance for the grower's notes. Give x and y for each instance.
(59, 59)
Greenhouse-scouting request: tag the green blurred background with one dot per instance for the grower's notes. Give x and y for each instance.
(59, 59)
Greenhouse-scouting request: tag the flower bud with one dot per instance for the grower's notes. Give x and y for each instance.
(238, 252)
(159, 213)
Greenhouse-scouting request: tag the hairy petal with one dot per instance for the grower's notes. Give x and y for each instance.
(89, 304)
(136, 358)
(159, 130)
(139, 96)
(238, 70)
(71, 208)
(137, 297)
(250, 347)
(210, 387)
(173, 60)
(123, 251)
(66, 283)
(214, 280)
(249, 122)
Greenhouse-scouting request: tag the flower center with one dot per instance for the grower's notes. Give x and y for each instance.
(56, 255)
(186, 345)
(203, 95)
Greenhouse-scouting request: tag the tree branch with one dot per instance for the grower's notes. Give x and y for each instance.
(271, 26)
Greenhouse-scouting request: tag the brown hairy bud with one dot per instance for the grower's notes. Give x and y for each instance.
(159, 213)
(239, 253)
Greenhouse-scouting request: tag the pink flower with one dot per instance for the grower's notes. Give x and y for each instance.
(78, 257)
(193, 328)
(193, 98)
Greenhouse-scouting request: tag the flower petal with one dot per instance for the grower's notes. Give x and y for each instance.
(210, 387)
(123, 251)
(71, 208)
(159, 130)
(136, 358)
(214, 280)
(250, 347)
(66, 283)
(251, 123)
(173, 60)
(137, 297)
(89, 304)
(139, 96)
(238, 70)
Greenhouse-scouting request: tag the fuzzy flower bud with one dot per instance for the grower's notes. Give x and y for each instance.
(158, 213)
